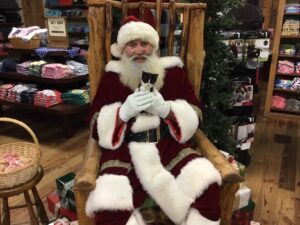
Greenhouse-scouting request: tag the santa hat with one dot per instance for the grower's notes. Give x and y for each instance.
(132, 29)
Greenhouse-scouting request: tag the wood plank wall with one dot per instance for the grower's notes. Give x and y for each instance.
(33, 12)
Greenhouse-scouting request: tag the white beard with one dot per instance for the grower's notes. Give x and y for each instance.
(131, 72)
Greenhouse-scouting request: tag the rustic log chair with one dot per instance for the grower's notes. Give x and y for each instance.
(191, 52)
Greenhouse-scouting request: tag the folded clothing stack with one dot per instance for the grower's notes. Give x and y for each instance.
(286, 67)
(23, 68)
(76, 96)
(47, 98)
(4, 88)
(56, 71)
(292, 8)
(278, 102)
(35, 68)
(78, 68)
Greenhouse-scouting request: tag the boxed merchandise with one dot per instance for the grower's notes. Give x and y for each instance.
(242, 197)
(244, 215)
(70, 199)
(68, 213)
(60, 221)
(64, 183)
(53, 203)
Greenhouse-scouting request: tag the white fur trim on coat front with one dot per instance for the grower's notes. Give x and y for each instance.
(112, 192)
(196, 176)
(158, 182)
(186, 117)
(144, 122)
(195, 218)
(136, 218)
(106, 126)
(171, 61)
(166, 62)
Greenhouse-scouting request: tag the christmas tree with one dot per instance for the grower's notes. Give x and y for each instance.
(216, 91)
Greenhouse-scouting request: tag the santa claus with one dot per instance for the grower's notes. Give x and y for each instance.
(144, 136)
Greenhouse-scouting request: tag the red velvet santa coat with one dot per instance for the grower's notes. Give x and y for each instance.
(170, 171)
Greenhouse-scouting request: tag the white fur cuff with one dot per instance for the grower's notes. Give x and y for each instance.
(112, 192)
(196, 177)
(187, 119)
(106, 126)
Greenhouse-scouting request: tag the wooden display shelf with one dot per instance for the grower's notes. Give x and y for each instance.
(10, 9)
(287, 91)
(288, 74)
(290, 36)
(60, 109)
(65, 111)
(289, 56)
(66, 6)
(285, 111)
(278, 40)
(42, 80)
(32, 52)
(11, 24)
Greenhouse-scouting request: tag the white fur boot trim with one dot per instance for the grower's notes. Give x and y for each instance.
(195, 218)
(112, 192)
(158, 182)
(136, 218)
(196, 176)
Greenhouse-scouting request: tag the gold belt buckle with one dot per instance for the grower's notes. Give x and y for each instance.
(148, 136)
(158, 134)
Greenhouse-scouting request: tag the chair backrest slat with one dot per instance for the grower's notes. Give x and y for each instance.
(109, 22)
(124, 9)
(185, 29)
(158, 16)
(142, 11)
(171, 27)
(100, 20)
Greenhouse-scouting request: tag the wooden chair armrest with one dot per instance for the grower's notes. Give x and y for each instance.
(208, 149)
(85, 179)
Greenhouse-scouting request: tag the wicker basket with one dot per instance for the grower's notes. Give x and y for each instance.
(31, 44)
(27, 149)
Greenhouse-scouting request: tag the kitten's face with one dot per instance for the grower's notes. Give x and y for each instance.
(148, 80)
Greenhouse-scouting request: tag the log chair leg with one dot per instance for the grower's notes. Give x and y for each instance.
(6, 214)
(41, 212)
(33, 218)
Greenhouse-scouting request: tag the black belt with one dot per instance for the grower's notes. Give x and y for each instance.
(153, 135)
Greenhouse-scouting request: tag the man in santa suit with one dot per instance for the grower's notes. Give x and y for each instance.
(144, 138)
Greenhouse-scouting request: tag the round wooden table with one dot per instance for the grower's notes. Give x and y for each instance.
(24, 188)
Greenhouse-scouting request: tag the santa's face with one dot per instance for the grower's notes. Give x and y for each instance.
(138, 50)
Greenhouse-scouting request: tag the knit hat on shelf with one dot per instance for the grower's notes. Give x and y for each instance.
(132, 28)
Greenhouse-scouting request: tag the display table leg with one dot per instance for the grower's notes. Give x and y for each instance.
(41, 212)
(6, 214)
(33, 218)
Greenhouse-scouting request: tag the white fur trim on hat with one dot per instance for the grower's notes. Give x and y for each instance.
(132, 31)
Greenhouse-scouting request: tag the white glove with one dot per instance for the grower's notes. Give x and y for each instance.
(159, 107)
(135, 103)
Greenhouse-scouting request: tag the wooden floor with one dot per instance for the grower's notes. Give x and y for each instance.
(273, 175)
